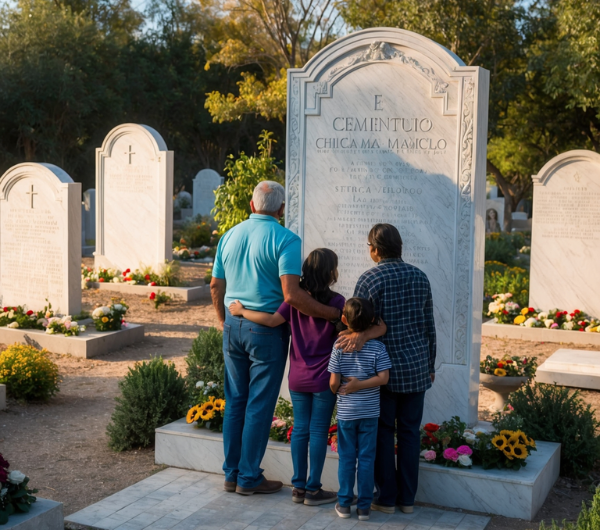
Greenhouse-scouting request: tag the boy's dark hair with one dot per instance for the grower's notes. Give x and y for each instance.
(359, 313)
(386, 239)
(319, 271)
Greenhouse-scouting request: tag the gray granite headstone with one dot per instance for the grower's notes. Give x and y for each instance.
(205, 184)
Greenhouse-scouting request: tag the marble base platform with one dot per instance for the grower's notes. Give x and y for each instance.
(575, 368)
(510, 331)
(517, 494)
(188, 294)
(90, 343)
(43, 515)
(2, 397)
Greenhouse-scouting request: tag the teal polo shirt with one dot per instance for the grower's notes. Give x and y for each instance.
(252, 256)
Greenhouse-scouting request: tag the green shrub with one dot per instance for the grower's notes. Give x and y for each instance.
(554, 414)
(152, 395)
(205, 361)
(499, 247)
(28, 373)
(589, 519)
(196, 232)
(208, 276)
(499, 278)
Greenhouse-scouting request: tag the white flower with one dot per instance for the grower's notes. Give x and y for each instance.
(569, 318)
(199, 384)
(465, 460)
(3, 492)
(568, 326)
(116, 279)
(542, 316)
(470, 437)
(530, 322)
(16, 477)
(118, 307)
(11, 314)
(548, 322)
(81, 329)
(50, 331)
(106, 310)
(423, 453)
(97, 313)
(210, 384)
(13, 325)
(84, 284)
(132, 282)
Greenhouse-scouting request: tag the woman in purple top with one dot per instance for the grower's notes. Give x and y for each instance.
(313, 401)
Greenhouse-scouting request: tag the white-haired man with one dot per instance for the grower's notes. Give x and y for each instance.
(258, 262)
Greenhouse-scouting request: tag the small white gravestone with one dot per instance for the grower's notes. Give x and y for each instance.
(385, 125)
(574, 368)
(205, 184)
(565, 242)
(40, 238)
(134, 186)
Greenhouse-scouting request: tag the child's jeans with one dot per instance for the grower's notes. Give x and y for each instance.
(357, 439)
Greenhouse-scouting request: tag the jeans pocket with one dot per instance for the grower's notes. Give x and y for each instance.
(226, 338)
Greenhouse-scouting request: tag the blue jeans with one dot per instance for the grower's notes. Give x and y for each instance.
(357, 439)
(312, 417)
(397, 478)
(255, 358)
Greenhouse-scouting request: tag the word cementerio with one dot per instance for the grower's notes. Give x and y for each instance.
(349, 124)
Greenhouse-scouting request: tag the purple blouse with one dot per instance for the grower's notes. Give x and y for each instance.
(312, 342)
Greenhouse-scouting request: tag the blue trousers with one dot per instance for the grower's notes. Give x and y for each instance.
(312, 418)
(357, 440)
(397, 478)
(255, 359)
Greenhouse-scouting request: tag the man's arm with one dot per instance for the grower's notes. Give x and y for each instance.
(294, 295)
(334, 382)
(430, 331)
(217, 293)
(349, 341)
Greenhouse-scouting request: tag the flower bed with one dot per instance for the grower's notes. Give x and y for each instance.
(167, 277)
(184, 253)
(505, 311)
(19, 317)
(15, 496)
(509, 366)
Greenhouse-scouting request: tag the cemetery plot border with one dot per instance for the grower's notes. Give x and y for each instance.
(44, 514)
(188, 294)
(509, 331)
(89, 343)
(519, 494)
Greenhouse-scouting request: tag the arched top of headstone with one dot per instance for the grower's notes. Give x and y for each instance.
(152, 136)
(53, 175)
(562, 160)
(207, 173)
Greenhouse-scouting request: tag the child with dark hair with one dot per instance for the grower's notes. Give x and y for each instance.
(313, 402)
(356, 378)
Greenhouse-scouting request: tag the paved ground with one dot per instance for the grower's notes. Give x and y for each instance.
(189, 500)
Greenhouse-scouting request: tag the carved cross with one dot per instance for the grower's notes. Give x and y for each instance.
(129, 153)
(32, 193)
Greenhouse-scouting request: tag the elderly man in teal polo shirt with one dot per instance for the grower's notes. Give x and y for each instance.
(259, 263)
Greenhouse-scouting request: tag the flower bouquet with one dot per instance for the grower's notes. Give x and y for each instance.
(15, 496)
(209, 414)
(19, 317)
(110, 318)
(445, 444)
(503, 309)
(508, 366)
(282, 424)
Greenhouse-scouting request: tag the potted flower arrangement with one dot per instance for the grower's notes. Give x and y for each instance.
(451, 444)
(209, 410)
(503, 376)
(15, 496)
(110, 318)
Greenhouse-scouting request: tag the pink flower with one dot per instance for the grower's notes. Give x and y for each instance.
(464, 450)
(554, 326)
(429, 456)
(451, 454)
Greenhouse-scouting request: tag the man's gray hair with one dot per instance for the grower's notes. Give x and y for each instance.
(268, 196)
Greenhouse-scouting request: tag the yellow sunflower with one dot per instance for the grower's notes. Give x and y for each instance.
(521, 437)
(207, 414)
(530, 442)
(507, 434)
(499, 442)
(219, 405)
(514, 439)
(520, 319)
(509, 452)
(193, 414)
(520, 451)
(499, 372)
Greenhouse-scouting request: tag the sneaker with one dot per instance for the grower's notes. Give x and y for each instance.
(229, 487)
(298, 495)
(384, 509)
(316, 498)
(407, 509)
(266, 486)
(363, 515)
(342, 511)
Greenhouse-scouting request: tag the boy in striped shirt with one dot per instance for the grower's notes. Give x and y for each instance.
(356, 378)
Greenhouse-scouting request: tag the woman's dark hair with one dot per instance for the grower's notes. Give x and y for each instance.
(386, 239)
(319, 272)
(359, 313)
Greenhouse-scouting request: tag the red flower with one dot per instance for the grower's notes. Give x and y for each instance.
(581, 329)
(433, 439)
(532, 309)
(101, 280)
(500, 365)
(5, 309)
(431, 427)
(15, 308)
(576, 311)
(504, 312)
(124, 273)
(152, 284)
(333, 429)
(128, 270)
(509, 361)
(524, 360)
(29, 313)
(289, 433)
(572, 314)
(152, 296)
(147, 277)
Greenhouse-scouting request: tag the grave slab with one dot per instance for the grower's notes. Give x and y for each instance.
(2, 397)
(575, 368)
(188, 294)
(190, 500)
(43, 515)
(509, 331)
(503, 492)
(90, 343)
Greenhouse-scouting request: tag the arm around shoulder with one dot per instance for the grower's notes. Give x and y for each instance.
(294, 295)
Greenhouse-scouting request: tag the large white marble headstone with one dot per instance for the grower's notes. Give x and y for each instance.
(565, 237)
(134, 194)
(40, 238)
(205, 184)
(385, 125)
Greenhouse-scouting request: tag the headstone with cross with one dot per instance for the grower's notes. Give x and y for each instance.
(40, 238)
(134, 190)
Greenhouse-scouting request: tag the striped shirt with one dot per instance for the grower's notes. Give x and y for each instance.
(364, 364)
